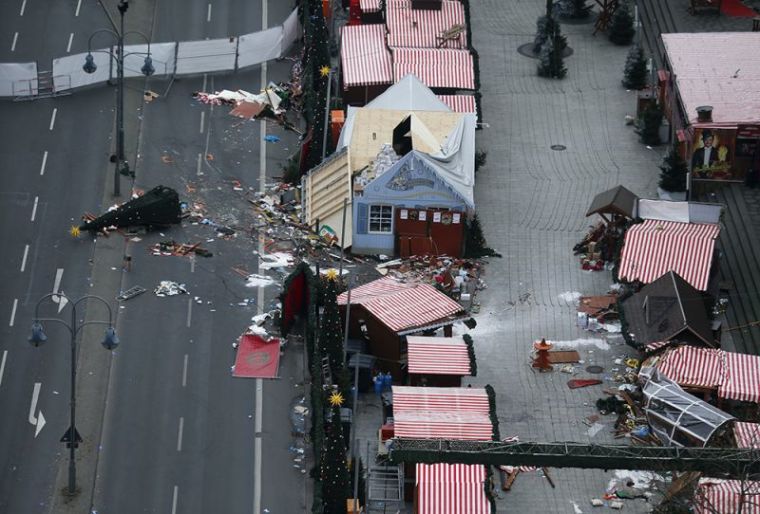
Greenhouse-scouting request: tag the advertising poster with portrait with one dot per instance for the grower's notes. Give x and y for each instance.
(713, 154)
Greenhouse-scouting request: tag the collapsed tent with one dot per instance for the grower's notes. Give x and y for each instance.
(159, 207)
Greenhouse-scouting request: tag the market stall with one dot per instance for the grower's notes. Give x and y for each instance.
(440, 361)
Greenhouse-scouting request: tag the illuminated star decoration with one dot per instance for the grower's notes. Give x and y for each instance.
(74, 231)
(331, 274)
(324, 71)
(336, 399)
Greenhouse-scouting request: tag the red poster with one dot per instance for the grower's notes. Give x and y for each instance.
(257, 358)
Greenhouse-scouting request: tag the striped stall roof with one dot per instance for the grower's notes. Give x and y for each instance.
(364, 58)
(714, 496)
(742, 381)
(438, 355)
(459, 103)
(690, 366)
(401, 306)
(735, 375)
(451, 489)
(655, 247)
(420, 28)
(747, 435)
(440, 399)
(651, 347)
(465, 426)
(444, 67)
(369, 5)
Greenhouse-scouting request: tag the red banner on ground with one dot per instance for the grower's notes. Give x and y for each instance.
(257, 358)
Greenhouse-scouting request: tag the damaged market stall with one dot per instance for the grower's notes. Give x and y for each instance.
(678, 418)
(440, 361)
(389, 310)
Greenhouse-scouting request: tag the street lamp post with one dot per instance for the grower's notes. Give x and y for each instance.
(38, 337)
(121, 166)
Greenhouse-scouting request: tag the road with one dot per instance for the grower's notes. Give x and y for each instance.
(179, 433)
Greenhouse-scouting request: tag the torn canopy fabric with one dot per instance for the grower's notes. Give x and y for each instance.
(159, 207)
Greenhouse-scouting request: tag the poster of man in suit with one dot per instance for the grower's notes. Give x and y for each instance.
(713, 151)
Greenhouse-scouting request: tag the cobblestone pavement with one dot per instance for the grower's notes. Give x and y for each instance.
(532, 202)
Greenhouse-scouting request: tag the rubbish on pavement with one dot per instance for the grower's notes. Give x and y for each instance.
(171, 247)
(596, 502)
(169, 288)
(130, 293)
(577, 383)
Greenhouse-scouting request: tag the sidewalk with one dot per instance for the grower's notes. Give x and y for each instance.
(532, 202)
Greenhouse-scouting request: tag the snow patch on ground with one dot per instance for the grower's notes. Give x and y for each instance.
(275, 260)
(258, 281)
(578, 343)
(640, 479)
(570, 297)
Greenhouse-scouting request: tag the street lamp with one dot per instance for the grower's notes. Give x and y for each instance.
(38, 337)
(122, 166)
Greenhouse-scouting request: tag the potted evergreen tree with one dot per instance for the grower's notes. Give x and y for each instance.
(573, 9)
(672, 185)
(635, 74)
(621, 29)
(551, 62)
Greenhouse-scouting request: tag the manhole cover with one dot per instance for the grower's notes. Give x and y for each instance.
(558, 148)
(594, 369)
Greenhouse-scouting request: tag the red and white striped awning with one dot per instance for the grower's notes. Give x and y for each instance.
(444, 67)
(463, 426)
(714, 496)
(696, 367)
(655, 247)
(736, 376)
(459, 103)
(651, 347)
(369, 5)
(438, 355)
(452, 489)
(419, 28)
(747, 435)
(364, 58)
(440, 399)
(742, 381)
(401, 306)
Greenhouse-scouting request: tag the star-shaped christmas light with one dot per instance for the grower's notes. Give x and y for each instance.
(336, 399)
(324, 71)
(331, 274)
(74, 231)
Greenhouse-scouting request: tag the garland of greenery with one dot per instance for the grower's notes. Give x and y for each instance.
(471, 353)
(492, 412)
(317, 429)
(488, 488)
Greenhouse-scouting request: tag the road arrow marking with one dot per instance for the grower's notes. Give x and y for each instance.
(38, 422)
(60, 299)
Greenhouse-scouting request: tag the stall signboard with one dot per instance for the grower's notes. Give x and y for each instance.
(713, 153)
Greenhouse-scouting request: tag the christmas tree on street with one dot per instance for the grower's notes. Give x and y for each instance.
(334, 472)
(651, 122)
(573, 9)
(546, 26)
(621, 29)
(551, 62)
(674, 170)
(635, 73)
(331, 328)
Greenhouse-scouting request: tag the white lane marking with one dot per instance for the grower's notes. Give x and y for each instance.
(79, 4)
(13, 45)
(203, 117)
(2, 366)
(34, 208)
(179, 433)
(192, 264)
(23, 259)
(13, 312)
(184, 372)
(198, 165)
(205, 78)
(257, 448)
(189, 310)
(208, 14)
(71, 38)
(37, 421)
(174, 500)
(44, 162)
(52, 117)
(23, 8)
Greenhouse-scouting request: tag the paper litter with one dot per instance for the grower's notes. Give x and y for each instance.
(169, 288)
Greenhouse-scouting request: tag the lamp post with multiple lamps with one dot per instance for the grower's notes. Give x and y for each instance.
(122, 166)
(38, 337)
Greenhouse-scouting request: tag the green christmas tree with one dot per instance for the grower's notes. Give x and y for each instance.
(573, 9)
(635, 75)
(475, 243)
(334, 472)
(551, 62)
(331, 327)
(316, 65)
(621, 29)
(651, 121)
(545, 27)
(674, 170)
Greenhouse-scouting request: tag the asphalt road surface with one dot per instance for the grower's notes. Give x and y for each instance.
(179, 434)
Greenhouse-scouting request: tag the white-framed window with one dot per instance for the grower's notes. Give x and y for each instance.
(380, 219)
